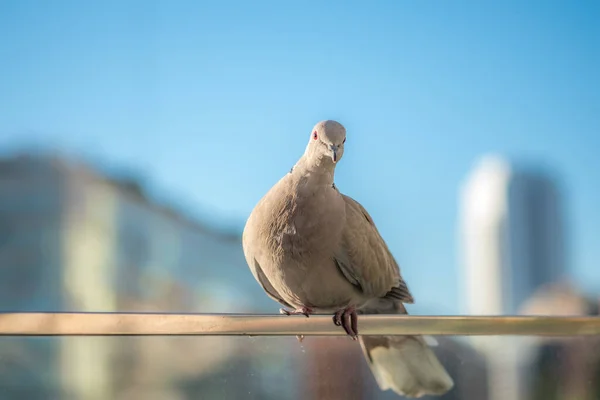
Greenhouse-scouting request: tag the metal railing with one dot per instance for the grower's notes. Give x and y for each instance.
(144, 324)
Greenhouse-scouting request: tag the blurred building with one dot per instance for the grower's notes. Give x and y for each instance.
(73, 239)
(563, 368)
(512, 235)
(512, 242)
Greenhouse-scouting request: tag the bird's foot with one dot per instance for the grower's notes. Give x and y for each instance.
(300, 311)
(347, 319)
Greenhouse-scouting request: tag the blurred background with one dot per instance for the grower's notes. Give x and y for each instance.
(137, 136)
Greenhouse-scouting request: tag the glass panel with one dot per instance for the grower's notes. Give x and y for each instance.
(282, 368)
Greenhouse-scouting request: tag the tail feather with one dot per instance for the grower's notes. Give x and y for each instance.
(404, 364)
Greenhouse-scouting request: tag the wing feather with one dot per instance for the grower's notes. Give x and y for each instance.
(364, 258)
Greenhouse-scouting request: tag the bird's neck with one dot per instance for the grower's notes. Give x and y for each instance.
(320, 171)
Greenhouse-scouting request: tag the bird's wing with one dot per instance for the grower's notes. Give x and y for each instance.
(364, 258)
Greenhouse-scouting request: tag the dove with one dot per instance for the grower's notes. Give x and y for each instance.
(316, 250)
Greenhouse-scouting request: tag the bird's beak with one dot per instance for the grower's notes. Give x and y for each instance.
(334, 150)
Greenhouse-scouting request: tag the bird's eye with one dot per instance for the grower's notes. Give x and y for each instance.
(315, 135)
(344, 141)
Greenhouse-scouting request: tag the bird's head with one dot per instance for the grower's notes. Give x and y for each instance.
(326, 143)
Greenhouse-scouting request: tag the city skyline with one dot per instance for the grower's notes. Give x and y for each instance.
(108, 225)
(127, 177)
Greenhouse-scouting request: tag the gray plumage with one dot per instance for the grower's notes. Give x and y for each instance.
(316, 250)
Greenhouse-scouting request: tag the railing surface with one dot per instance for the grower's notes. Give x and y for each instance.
(144, 324)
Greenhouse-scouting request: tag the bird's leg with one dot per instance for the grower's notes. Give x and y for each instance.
(347, 318)
(302, 310)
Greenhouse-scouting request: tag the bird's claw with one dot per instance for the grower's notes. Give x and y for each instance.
(347, 319)
(300, 311)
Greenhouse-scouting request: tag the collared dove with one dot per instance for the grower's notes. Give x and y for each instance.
(317, 251)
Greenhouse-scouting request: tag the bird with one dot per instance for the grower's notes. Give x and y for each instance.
(316, 250)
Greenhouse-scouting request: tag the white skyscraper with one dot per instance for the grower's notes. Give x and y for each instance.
(512, 242)
(512, 235)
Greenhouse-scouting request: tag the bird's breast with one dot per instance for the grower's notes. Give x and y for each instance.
(295, 233)
(306, 226)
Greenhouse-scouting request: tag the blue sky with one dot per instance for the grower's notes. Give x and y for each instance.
(213, 102)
